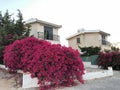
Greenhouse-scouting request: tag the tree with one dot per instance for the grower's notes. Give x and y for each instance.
(114, 48)
(11, 30)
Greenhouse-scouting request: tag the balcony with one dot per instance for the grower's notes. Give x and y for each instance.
(53, 37)
(104, 42)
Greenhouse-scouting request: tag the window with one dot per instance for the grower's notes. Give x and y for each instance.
(38, 33)
(78, 40)
(104, 40)
(48, 33)
(103, 37)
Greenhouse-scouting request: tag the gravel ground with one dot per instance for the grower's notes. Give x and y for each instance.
(7, 82)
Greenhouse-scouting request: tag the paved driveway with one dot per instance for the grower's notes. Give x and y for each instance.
(108, 83)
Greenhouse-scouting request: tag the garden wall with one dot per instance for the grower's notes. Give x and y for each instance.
(29, 82)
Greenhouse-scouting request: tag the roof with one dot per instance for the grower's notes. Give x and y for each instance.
(34, 20)
(88, 31)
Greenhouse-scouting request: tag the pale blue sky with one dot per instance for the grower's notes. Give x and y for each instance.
(71, 14)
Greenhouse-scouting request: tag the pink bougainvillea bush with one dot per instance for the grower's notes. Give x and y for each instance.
(109, 59)
(54, 65)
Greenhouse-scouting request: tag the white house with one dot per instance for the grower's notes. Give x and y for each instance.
(44, 30)
(87, 38)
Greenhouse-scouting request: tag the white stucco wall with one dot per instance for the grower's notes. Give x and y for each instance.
(37, 27)
(55, 31)
(92, 39)
(85, 40)
(72, 43)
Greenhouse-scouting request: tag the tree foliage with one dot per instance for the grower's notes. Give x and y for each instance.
(11, 30)
(113, 48)
(88, 51)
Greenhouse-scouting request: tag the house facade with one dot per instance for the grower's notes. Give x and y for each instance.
(44, 30)
(87, 38)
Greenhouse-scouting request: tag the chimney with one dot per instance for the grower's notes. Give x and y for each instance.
(81, 30)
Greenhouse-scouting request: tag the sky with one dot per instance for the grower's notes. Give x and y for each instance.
(71, 14)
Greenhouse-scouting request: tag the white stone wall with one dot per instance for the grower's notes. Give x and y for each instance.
(29, 82)
(99, 74)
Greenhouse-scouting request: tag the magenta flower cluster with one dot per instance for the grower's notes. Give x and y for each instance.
(52, 64)
(109, 59)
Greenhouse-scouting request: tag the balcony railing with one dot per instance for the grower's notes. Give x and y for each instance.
(54, 37)
(104, 42)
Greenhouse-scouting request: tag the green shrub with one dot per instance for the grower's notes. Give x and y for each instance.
(88, 51)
